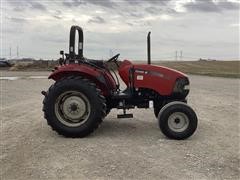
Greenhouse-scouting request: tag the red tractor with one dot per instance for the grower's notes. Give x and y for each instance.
(85, 91)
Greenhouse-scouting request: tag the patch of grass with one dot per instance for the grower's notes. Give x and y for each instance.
(35, 65)
(230, 69)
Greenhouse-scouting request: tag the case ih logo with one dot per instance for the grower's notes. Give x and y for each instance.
(151, 73)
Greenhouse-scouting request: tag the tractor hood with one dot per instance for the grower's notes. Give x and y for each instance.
(160, 71)
(158, 78)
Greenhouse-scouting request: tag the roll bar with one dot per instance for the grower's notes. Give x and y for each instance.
(72, 54)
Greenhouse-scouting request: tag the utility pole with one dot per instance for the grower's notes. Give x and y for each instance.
(10, 52)
(17, 52)
(176, 55)
(181, 55)
(110, 53)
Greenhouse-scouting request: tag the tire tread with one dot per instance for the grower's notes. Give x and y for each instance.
(85, 82)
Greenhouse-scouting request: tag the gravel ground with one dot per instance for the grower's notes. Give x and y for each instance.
(120, 149)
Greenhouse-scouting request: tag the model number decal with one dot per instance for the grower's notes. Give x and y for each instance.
(139, 77)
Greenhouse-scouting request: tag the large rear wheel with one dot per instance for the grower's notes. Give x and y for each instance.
(177, 120)
(74, 107)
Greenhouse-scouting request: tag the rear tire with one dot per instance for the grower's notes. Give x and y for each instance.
(177, 120)
(74, 107)
(107, 112)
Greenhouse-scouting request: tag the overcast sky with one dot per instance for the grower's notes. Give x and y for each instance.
(200, 28)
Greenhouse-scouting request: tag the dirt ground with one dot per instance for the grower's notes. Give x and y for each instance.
(120, 149)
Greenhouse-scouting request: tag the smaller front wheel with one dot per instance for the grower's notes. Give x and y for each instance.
(177, 120)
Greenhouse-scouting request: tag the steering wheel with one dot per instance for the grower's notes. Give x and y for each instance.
(114, 58)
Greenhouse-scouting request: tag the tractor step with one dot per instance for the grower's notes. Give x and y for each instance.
(125, 116)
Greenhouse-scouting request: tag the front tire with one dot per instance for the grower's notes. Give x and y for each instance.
(157, 107)
(74, 107)
(177, 120)
(157, 110)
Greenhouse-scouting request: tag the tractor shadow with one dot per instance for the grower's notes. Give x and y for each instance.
(135, 129)
(128, 128)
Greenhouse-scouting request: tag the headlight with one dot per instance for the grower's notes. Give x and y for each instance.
(187, 87)
(181, 86)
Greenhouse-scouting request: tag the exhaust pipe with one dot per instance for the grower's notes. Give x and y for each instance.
(72, 54)
(149, 47)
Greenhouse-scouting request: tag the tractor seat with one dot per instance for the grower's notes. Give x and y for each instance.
(98, 63)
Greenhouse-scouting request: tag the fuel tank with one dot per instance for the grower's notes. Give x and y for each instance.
(158, 78)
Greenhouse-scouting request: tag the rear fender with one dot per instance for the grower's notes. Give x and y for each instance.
(93, 74)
